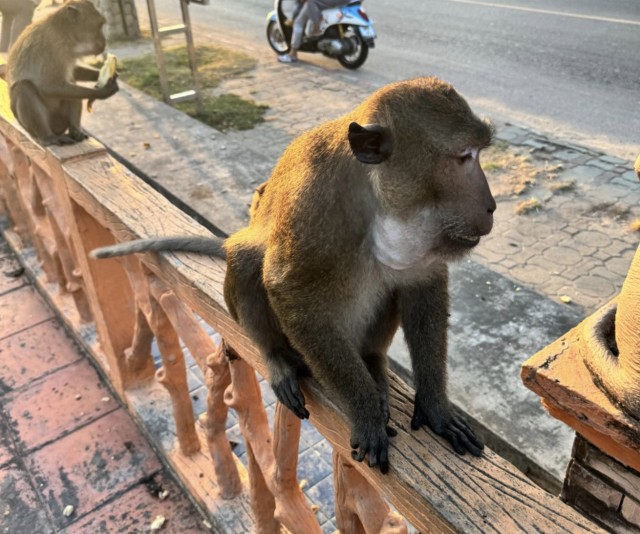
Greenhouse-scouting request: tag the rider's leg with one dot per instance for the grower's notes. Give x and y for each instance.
(296, 37)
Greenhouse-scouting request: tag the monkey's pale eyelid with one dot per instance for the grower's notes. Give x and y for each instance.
(473, 152)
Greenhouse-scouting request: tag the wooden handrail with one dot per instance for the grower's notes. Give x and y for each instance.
(102, 202)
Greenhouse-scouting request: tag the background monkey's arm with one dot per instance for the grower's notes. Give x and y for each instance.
(424, 313)
(70, 90)
(83, 73)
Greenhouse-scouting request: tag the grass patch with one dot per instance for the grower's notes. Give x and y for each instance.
(562, 185)
(215, 64)
(512, 173)
(527, 205)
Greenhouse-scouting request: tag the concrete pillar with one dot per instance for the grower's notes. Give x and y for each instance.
(122, 19)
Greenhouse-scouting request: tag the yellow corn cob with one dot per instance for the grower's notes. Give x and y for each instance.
(107, 72)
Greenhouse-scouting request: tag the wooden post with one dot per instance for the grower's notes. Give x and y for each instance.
(244, 397)
(262, 500)
(286, 438)
(359, 507)
(215, 368)
(173, 373)
(60, 226)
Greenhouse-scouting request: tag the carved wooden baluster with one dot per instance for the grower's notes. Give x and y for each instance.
(9, 192)
(138, 358)
(28, 199)
(263, 503)
(64, 251)
(173, 373)
(359, 507)
(243, 395)
(286, 438)
(215, 367)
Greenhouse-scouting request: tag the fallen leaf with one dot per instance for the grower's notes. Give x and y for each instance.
(157, 523)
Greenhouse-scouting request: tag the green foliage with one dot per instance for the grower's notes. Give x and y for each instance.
(215, 64)
(227, 111)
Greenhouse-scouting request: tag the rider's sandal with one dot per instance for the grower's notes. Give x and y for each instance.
(286, 58)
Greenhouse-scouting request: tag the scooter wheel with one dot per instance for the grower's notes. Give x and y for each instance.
(359, 55)
(276, 39)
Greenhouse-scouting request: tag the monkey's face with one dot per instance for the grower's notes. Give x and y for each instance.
(462, 202)
(85, 24)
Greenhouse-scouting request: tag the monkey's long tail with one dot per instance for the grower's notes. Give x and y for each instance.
(208, 246)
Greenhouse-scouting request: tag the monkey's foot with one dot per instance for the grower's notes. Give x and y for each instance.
(372, 441)
(58, 140)
(450, 426)
(288, 392)
(77, 135)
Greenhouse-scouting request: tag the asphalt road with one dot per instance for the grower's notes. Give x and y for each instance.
(569, 68)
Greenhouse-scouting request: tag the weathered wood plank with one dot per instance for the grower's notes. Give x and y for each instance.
(559, 375)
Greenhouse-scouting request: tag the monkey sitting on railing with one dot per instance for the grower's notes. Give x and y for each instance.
(42, 72)
(349, 239)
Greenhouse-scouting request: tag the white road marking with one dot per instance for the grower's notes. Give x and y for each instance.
(550, 12)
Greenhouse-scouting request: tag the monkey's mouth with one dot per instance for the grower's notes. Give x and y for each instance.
(468, 241)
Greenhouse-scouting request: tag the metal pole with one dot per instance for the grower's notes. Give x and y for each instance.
(191, 52)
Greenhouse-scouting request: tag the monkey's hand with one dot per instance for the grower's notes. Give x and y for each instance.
(371, 438)
(444, 421)
(110, 89)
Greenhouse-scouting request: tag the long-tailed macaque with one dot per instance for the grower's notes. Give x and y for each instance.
(349, 239)
(42, 72)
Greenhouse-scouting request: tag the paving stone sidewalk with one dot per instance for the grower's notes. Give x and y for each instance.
(71, 458)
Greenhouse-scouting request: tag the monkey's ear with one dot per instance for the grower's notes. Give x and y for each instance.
(370, 143)
(71, 8)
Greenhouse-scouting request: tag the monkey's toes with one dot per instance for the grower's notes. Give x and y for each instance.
(288, 393)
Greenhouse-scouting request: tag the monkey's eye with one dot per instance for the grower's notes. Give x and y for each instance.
(467, 156)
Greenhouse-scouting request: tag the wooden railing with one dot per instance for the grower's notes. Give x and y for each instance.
(66, 201)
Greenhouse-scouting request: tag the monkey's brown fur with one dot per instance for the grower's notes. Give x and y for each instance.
(348, 240)
(42, 72)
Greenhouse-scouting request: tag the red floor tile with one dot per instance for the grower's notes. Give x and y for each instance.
(33, 352)
(20, 509)
(136, 509)
(21, 309)
(87, 467)
(58, 404)
(11, 272)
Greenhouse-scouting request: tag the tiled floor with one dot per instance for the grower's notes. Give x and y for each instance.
(65, 441)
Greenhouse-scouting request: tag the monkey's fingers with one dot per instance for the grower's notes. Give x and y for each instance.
(391, 432)
(462, 425)
(462, 439)
(376, 449)
(453, 438)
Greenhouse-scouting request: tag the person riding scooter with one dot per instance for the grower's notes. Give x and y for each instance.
(310, 10)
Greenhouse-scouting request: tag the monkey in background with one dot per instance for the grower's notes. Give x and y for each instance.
(348, 240)
(16, 15)
(42, 72)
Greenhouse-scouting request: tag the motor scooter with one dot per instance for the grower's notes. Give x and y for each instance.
(346, 33)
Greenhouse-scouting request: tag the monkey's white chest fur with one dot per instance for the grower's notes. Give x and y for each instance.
(403, 244)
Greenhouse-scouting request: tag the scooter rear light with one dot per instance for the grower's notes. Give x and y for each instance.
(363, 14)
